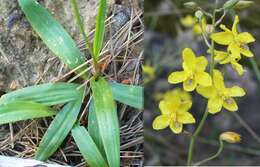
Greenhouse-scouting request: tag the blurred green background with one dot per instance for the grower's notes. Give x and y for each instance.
(165, 37)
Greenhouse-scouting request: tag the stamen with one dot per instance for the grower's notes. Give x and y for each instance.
(177, 124)
(244, 46)
(229, 101)
(190, 81)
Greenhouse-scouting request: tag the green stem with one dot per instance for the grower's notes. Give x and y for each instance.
(255, 68)
(220, 149)
(82, 31)
(205, 115)
(194, 137)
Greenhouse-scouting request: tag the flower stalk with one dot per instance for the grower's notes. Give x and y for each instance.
(205, 115)
(220, 149)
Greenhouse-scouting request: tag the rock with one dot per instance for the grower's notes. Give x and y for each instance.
(24, 58)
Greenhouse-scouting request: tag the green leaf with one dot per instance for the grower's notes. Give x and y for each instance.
(87, 147)
(128, 94)
(58, 130)
(52, 34)
(93, 128)
(22, 110)
(47, 94)
(100, 29)
(244, 4)
(230, 4)
(106, 114)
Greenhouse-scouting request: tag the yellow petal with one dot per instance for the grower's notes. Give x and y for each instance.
(234, 27)
(215, 104)
(161, 122)
(185, 118)
(176, 127)
(245, 38)
(230, 104)
(224, 28)
(227, 60)
(246, 52)
(222, 38)
(189, 85)
(236, 91)
(203, 79)
(218, 80)
(201, 63)
(234, 48)
(220, 55)
(167, 107)
(197, 29)
(185, 96)
(177, 77)
(188, 21)
(189, 59)
(185, 106)
(206, 92)
(238, 67)
(230, 137)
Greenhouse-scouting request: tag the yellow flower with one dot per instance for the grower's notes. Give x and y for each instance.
(230, 137)
(194, 71)
(219, 96)
(225, 57)
(197, 28)
(189, 21)
(177, 94)
(173, 114)
(237, 42)
(149, 73)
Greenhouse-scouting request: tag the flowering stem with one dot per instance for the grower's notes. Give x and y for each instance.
(205, 115)
(220, 149)
(195, 135)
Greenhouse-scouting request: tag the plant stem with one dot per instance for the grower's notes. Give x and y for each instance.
(255, 68)
(205, 115)
(220, 149)
(82, 31)
(194, 137)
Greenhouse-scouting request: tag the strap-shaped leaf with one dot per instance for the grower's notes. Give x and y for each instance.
(88, 147)
(128, 94)
(100, 29)
(22, 110)
(47, 94)
(106, 114)
(52, 34)
(93, 128)
(58, 130)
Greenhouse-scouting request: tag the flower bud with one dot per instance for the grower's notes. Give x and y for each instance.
(243, 4)
(190, 5)
(198, 14)
(230, 137)
(230, 4)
